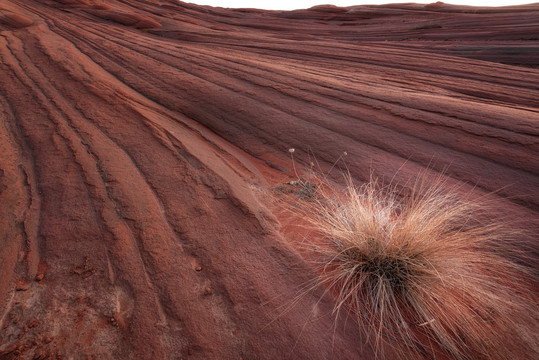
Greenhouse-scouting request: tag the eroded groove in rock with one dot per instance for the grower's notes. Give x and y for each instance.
(141, 141)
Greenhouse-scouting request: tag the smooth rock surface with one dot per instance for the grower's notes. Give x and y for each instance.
(140, 142)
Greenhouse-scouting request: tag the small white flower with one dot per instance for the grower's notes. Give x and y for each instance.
(345, 153)
(291, 150)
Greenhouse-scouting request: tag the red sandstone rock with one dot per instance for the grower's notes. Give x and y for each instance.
(74, 2)
(15, 21)
(130, 158)
(41, 270)
(124, 18)
(22, 285)
(145, 22)
(119, 17)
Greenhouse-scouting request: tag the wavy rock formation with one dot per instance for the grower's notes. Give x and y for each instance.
(140, 142)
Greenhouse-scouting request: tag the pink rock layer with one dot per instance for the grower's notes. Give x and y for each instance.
(141, 140)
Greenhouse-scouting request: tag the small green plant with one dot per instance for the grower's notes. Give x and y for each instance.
(426, 275)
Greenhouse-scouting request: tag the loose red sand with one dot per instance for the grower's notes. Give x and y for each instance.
(141, 140)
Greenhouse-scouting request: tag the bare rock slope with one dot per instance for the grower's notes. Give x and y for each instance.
(140, 141)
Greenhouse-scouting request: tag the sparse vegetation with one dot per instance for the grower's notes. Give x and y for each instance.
(303, 188)
(427, 275)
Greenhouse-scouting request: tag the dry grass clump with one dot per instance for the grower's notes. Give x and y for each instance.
(427, 275)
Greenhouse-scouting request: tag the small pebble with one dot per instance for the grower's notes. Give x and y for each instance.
(22, 285)
(40, 354)
(33, 324)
